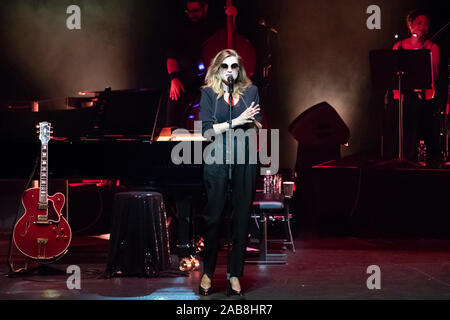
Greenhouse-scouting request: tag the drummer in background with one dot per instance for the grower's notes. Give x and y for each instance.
(422, 115)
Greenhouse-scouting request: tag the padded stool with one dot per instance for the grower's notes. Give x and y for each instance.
(264, 205)
(139, 242)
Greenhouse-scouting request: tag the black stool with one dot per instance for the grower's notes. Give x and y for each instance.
(139, 242)
(264, 206)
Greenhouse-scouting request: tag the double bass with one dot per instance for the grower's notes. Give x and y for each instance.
(228, 38)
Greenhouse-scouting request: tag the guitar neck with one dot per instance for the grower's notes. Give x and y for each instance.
(43, 181)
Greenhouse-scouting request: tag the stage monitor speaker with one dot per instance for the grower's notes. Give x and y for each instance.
(320, 125)
(319, 131)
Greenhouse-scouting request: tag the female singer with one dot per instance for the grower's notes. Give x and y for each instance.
(418, 24)
(421, 118)
(214, 114)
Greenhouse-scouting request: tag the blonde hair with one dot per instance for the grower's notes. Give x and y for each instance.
(214, 81)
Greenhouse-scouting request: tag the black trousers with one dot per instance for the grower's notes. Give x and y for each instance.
(243, 187)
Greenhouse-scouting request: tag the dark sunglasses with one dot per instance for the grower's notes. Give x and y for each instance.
(233, 66)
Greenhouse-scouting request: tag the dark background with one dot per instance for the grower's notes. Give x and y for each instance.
(321, 53)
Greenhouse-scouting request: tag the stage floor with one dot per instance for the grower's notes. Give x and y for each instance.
(321, 268)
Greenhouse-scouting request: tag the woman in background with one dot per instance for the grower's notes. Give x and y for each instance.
(421, 115)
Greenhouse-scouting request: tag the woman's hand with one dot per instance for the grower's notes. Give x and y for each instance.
(248, 116)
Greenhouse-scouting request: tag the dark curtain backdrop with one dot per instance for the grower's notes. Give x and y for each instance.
(320, 53)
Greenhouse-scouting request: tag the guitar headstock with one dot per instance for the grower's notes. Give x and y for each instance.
(44, 131)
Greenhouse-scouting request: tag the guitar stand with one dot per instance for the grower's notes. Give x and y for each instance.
(46, 270)
(43, 269)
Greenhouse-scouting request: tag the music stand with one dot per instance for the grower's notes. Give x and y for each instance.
(401, 70)
(127, 113)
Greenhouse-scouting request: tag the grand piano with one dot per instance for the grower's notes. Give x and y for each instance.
(111, 136)
(116, 137)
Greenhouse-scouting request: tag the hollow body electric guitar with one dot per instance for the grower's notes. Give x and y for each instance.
(42, 233)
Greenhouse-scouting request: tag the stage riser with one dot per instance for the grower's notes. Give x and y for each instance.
(375, 202)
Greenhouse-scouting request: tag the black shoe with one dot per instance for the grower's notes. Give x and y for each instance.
(204, 292)
(232, 292)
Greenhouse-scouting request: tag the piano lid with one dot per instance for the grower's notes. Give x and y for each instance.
(122, 112)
